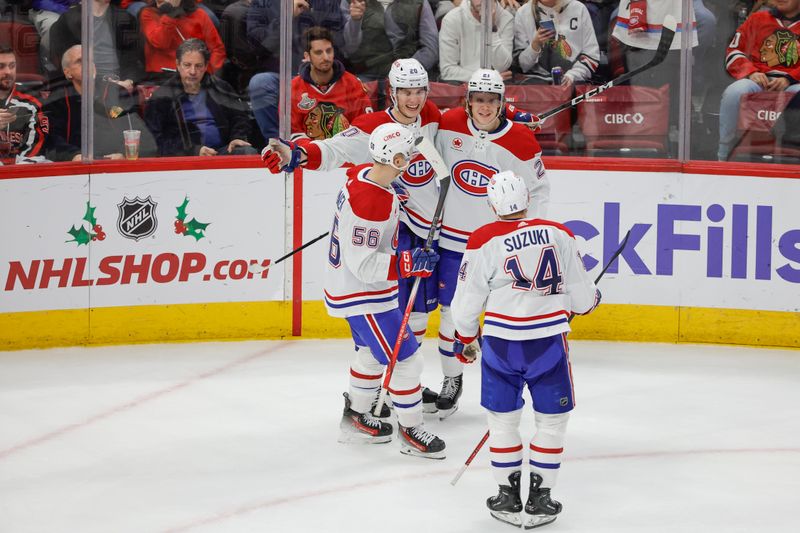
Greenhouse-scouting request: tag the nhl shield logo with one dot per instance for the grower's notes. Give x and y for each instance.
(137, 218)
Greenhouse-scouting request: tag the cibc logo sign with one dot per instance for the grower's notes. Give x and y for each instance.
(623, 118)
(768, 114)
(137, 218)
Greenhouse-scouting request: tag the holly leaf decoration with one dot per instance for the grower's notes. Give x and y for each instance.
(80, 235)
(182, 209)
(195, 229)
(89, 215)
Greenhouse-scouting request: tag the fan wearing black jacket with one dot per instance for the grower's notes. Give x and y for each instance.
(196, 113)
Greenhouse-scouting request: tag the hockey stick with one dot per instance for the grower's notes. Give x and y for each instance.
(258, 269)
(486, 436)
(431, 154)
(664, 44)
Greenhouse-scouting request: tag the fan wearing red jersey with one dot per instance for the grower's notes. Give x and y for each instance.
(528, 277)
(763, 56)
(325, 97)
(361, 286)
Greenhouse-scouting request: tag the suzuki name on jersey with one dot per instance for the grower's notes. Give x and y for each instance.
(532, 237)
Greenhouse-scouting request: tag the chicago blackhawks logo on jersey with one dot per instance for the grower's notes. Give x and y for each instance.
(472, 177)
(780, 48)
(324, 121)
(418, 173)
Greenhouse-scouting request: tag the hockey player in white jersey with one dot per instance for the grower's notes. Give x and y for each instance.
(476, 142)
(527, 274)
(410, 107)
(361, 285)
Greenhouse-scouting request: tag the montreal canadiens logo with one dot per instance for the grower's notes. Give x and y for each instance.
(472, 177)
(418, 173)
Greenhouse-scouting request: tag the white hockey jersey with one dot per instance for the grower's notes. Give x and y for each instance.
(361, 274)
(352, 146)
(473, 157)
(528, 276)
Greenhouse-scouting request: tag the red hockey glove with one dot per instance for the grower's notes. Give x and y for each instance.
(417, 262)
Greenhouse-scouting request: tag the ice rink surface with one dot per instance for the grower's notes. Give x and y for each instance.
(241, 437)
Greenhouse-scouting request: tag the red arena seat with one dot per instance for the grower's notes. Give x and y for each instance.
(24, 40)
(540, 98)
(625, 121)
(758, 113)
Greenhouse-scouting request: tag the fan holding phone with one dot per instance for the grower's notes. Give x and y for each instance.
(553, 35)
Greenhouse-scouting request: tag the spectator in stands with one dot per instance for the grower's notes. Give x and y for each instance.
(23, 126)
(245, 58)
(63, 110)
(460, 41)
(43, 14)
(263, 28)
(208, 6)
(763, 56)
(117, 42)
(196, 113)
(570, 45)
(325, 98)
(376, 33)
(171, 22)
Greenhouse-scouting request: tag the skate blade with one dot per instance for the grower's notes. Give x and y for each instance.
(350, 436)
(532, 521)
(515, 519)
(430, 408)
(410, 450)
(444, 413)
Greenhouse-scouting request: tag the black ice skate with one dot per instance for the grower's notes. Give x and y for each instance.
(507, 505)
(429, 398)
(447, 403)
(386, 410)
(417, 441)
(539, 508)
(362, 428)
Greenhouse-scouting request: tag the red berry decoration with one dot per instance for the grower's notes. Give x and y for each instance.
(101, 236)
(94, 238)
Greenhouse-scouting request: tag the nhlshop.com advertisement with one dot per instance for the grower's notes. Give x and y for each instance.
(140, 239)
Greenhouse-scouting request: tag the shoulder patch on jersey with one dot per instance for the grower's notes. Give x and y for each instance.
(368, 200)
(520, 141)
(455, 120)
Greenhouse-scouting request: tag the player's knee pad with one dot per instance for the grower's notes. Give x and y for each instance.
(418, 322)
(504, 422)
(407, 372)
(554, 425)
(365, 363)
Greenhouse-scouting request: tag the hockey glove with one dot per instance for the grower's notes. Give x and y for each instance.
(466, 349)
(527, 119)
(401, 192)
(417, 262)
(281, 156)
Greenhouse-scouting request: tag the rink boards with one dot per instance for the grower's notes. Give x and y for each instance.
(712, 258)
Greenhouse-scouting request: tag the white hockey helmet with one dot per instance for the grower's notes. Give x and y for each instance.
(486, 80)
(388, 140)
(407, 74)
(507, 193)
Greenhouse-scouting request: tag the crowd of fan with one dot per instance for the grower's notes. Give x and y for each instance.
(202, 78)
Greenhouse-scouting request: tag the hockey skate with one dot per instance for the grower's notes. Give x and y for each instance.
(539, 509)
(447, 403)
(507, 505)
(429, 398)
(362, 428)
(416, 441)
